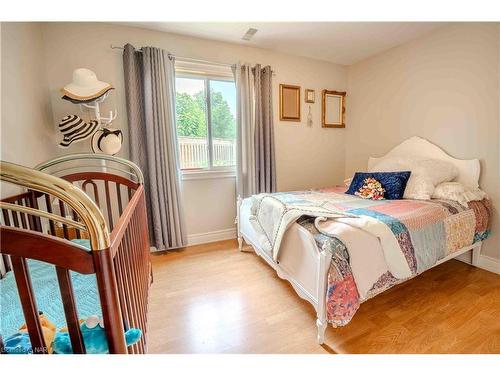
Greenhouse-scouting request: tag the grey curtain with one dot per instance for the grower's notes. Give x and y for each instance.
(246, 182)
(150, 95)
(265, 162)
(256, 163)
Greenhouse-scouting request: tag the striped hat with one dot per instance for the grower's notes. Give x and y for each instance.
(74, 129)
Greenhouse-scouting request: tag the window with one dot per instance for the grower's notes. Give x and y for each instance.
(206, 121)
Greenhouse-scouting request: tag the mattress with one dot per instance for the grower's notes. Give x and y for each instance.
(48, 297)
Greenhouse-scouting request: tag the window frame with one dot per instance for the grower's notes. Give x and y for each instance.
(211, 171)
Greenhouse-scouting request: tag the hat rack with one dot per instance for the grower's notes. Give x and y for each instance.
(88, 93)
(102, 121)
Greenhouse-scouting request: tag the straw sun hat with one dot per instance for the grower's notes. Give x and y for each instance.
(85, 87)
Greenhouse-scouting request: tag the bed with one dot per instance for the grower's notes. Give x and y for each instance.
(338, 263)
(75, 244)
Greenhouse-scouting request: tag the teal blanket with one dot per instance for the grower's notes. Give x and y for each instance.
(48, 296)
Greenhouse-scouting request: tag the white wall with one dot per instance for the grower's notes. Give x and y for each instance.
(306, 157)
(27, 129)
(443, 87)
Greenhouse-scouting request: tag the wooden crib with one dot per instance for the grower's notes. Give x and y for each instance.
(81, 196)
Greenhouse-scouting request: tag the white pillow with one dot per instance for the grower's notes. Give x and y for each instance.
(425, 174)
(456, 191)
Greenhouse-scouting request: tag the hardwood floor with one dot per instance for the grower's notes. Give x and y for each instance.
(214, 299)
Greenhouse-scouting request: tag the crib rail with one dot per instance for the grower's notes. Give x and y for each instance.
(38, 224)
(66, 192)
(130, 251)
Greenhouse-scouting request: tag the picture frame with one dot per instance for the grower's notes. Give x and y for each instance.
(309, 96)
(289, 103)
(333, 109)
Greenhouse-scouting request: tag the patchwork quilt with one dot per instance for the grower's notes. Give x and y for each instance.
(414, 235)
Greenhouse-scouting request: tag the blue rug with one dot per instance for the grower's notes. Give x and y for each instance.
(48, 296)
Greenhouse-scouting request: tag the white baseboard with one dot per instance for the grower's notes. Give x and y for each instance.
(489, 264)
(218, 235)
(485, 262)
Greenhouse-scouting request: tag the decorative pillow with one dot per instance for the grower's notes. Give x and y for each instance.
(456, 191)
(371, 189)
(394, 183)
(425, 174)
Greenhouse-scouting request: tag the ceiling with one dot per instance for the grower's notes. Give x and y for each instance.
(339, 42)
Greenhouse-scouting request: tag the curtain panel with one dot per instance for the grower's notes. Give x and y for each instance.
(150, 96)
(256, 163)
(264, 130)
(245, 129)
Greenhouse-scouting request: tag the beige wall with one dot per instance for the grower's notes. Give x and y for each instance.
(27, 129)
(444, 87)
(306, 157)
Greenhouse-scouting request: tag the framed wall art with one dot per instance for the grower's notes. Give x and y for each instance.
(333, 109)
(309, 96)
(289, 103)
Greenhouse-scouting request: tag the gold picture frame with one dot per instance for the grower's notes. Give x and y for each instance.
(333, 109)
(309, 96)
(289, 102)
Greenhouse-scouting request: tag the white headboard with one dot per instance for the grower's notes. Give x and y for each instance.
(468, 170)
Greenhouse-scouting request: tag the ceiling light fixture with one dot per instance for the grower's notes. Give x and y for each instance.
(249, 34)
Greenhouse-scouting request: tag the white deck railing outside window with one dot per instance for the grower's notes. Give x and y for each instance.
(194, 152)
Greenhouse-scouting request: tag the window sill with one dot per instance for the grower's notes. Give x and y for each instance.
(208, 174)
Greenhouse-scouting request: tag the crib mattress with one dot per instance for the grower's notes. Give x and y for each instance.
(48, 296)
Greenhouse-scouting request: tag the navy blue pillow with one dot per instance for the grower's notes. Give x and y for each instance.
(394, 183)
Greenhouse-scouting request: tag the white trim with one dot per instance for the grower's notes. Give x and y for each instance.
(489, 264)
(206, 174)
(485, 262)
(217, 235)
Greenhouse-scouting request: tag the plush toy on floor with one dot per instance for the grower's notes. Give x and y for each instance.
(19, 343)
(94, 338)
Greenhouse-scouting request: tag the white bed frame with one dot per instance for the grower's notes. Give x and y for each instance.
(299, 264)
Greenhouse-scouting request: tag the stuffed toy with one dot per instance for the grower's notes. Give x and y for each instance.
(19, 343)
(94, 338)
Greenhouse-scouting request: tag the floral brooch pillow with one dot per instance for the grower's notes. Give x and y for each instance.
(371, 189)
(394, 184)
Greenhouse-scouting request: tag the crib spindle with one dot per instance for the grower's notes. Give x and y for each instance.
(63, 214)
(28, 302)
(36, 224)
(70, 311)
(24, 222)
(108, 204)
(48, 205)
(94, 187)
(119, 198)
